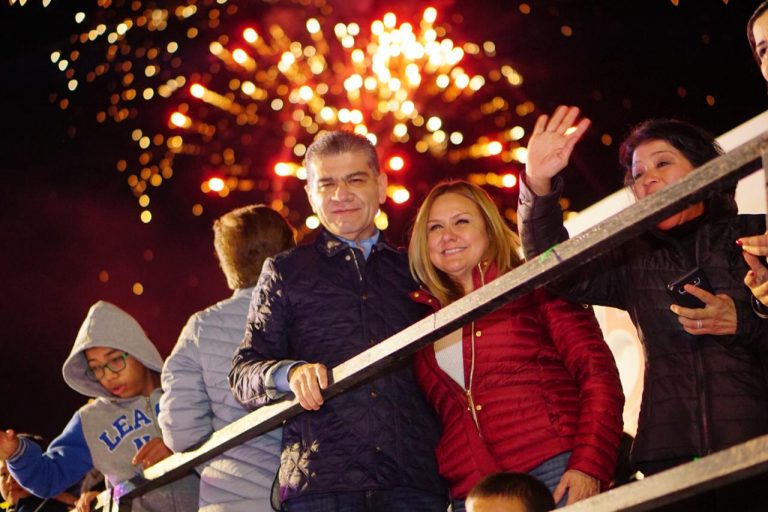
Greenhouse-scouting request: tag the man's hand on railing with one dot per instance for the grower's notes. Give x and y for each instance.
(306, 382)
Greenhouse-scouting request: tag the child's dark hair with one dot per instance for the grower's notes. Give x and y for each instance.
(532, 493)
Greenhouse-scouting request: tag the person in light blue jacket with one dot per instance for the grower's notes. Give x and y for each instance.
(197, 400)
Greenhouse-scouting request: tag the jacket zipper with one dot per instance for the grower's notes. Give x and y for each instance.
(704, 403)
(357, 265)
(701, 390)
(471, 406)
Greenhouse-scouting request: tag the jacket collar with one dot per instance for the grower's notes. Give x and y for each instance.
(482, 274)
(422, 296)
(243, 292)
(717, 207)
(723, 204)
(330, 245)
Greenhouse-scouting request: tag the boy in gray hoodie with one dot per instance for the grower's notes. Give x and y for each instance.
(114, 362)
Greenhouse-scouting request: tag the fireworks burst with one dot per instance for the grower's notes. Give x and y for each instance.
(236, 91)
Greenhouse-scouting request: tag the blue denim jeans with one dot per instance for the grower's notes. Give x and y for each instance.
(397, 499)
(549, 472)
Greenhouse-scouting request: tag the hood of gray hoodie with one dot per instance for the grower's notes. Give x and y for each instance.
(107, 326)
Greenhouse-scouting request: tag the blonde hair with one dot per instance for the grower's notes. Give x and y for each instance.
(503, 243)
(245, 237)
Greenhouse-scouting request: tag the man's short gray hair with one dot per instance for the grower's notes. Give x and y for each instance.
(338, 142)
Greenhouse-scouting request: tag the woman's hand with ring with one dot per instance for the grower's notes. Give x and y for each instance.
(718, 316)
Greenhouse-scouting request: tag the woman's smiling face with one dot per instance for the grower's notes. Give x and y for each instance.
(457, 237)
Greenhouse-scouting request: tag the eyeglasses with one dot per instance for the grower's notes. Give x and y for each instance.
(115, 365)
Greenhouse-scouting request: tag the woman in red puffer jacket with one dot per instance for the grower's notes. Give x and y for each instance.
(531, 387)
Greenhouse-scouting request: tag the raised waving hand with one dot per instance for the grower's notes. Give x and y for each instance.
(551, 145)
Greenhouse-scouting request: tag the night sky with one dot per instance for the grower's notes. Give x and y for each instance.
(71, 223)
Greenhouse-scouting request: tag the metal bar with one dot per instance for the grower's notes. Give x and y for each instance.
(720, 173)
(705, 474)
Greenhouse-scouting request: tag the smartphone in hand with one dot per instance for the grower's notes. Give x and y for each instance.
(678, 294)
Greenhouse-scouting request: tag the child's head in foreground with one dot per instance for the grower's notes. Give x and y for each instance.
(509, 492)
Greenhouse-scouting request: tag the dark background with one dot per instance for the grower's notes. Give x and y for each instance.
(67, 215)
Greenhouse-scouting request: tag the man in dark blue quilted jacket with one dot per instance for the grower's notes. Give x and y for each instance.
(372, 447)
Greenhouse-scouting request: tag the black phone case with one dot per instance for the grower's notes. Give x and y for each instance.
(680, 296)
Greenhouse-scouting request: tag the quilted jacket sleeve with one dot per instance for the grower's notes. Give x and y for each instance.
(264, 348)
(578, 339)
(540, 223)
(540, 218)
(751, 329)
(751, 324)
(185, 407)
